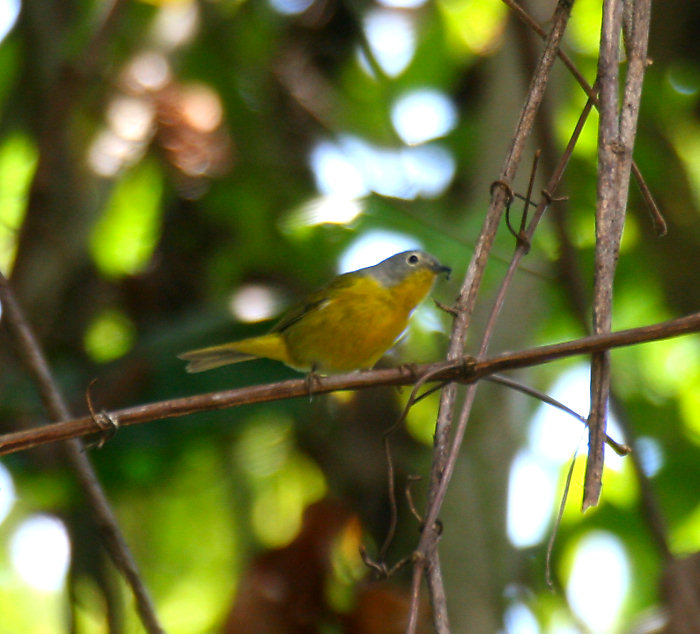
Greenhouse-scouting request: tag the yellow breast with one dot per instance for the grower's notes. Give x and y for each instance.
(356, 324)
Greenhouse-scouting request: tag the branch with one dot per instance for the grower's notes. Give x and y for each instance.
(609, 221)
(654, 211)
(571, 275)
(114, 541)
(572, 278)
(616, 136)
(463, 370)
(619, 449)
(443, 462)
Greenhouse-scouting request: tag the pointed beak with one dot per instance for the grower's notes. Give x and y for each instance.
(443, 269)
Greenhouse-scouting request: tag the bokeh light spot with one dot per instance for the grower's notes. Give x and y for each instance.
(109, 336)
(18, 160)
(176, 23)
(392, 40)
(291, 7)
(124, 238)
(684, 78)
(430, 168)
(202, 108)
(252, 303)
(599, 580)
(335, 173)
(40, 552)
(109, 153)
(531, 491)
(9, 12)
(147, 72)
(131, 118)
(403, 4)
(283, 480)
(651, 455)
(422, 115)
(476, 25)
(351, 167)
(519, 619)
(373, 247)
(7, 493)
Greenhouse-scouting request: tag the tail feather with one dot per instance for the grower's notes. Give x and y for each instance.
(271, 346)
(213, 357)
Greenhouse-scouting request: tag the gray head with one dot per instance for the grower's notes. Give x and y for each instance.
(394, 270)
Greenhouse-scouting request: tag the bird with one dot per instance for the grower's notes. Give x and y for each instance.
(345, 326)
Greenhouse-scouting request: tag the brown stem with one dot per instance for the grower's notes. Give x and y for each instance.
(464, 370)
(444, 448)
(35, 362)
(654, 211)
(617, 131)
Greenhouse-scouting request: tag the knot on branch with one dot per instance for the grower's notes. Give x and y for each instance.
(506, 188)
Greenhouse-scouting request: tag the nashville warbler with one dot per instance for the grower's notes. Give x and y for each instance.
(346, 325)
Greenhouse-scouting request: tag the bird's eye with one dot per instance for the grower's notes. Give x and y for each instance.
(413, 258)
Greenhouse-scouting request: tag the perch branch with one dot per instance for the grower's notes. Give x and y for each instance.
(465, 370)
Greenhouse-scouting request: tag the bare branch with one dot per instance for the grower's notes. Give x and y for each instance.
(114, 541)
(465, 370)
(619, 449)
(445, 448)
(609, 224)
(617, 132)
(657, 217)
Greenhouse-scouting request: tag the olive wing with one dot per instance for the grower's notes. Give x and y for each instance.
(314, 301)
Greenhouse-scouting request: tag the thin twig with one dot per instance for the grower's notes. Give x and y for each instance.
(114, 541)
(557, 521)
(528, 197)
(657, 218)
(519, 234)
(654, 211)
(413, 398)
(618, 448)
(409, 497)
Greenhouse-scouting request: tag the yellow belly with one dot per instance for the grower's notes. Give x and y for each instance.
(352, 329)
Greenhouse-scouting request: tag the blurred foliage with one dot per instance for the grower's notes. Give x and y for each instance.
(153, 164)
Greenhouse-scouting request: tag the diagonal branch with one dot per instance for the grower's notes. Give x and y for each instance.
(657, 217)
(466, 302)
(619, 449)
(33, 359)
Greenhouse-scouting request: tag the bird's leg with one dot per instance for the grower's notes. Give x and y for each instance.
(311, 378)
